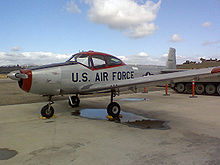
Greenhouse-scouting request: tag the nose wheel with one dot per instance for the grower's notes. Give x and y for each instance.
(47, 111)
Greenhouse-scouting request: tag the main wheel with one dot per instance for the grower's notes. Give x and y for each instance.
(188, 88)
(180, 88)
(113, 109)
(200, 89)
(74, 102)
(210, 89)
(47, 111)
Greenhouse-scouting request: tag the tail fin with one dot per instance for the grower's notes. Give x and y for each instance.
(171, 59)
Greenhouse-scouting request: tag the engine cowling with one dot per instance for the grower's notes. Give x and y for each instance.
(24, 78)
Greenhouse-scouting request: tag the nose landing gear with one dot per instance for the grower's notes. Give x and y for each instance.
(48, 111)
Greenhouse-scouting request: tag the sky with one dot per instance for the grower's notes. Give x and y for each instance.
(137, 31)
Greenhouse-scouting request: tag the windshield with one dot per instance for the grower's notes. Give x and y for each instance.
(81, 58)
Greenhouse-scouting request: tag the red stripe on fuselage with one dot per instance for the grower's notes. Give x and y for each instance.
(26, 84)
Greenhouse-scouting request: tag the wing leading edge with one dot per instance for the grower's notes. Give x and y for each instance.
(153, 80)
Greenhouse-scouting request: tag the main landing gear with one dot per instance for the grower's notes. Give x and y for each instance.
(74, 101)
(113, 109)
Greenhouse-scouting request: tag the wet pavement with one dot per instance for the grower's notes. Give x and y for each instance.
(127, 118)
(134, 99)
(6, 154)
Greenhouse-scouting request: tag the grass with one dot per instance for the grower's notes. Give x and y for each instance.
(3, 76)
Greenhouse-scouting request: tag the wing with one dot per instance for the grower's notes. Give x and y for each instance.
(153, 80)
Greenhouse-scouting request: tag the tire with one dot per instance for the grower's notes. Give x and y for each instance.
(210, 89)
(75, 101)
(188, 88)
(180, 88)
(47, 112)
(113, 109)
(199, 88)
(218, 89)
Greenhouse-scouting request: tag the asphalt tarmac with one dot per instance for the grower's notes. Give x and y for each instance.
(193, 136)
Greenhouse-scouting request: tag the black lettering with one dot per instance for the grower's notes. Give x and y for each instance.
(97, 78)
(132, 74)
(75, 78)
(113, 75)
(123, 75)
(105, 76)
(84, 77)
(128, 75)
(101, 76)
(119, 75)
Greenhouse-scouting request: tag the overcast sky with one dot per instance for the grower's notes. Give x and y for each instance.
(137, 31)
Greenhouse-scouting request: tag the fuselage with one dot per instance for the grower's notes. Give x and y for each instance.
(82, 70)
(69, 79)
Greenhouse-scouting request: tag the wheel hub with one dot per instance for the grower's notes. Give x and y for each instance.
(48, 111)
(115, 110)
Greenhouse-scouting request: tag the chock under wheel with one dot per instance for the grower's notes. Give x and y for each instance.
(44, 118)
(109, 117)
(112, 118)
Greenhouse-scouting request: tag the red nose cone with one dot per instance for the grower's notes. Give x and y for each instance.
(26, 83)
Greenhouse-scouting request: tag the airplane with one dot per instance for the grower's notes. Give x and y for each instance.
(147, 70)
(90, 72)
(171, 63)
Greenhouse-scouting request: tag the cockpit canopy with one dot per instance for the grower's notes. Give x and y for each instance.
(96, 60)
